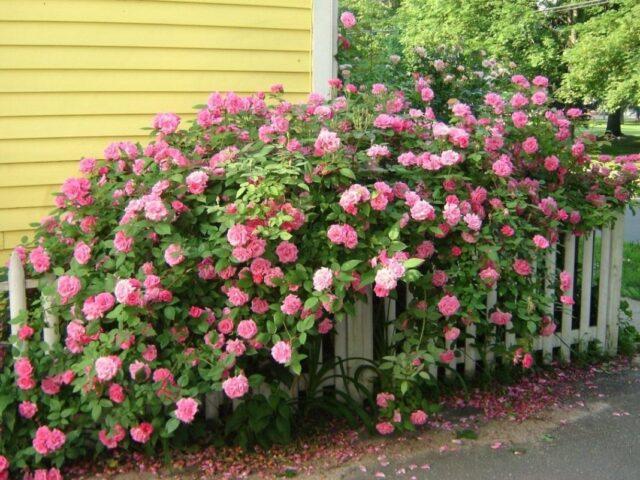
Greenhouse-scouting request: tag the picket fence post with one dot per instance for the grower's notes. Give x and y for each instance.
(585, 292)
(615, 283)
(603, 287)
(17, 290)
(50, 335)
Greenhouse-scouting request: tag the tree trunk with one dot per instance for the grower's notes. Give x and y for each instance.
(614, 123)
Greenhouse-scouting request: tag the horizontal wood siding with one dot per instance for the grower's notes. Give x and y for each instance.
(76, 75)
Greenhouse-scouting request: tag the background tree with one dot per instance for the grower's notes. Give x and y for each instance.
(604, 62)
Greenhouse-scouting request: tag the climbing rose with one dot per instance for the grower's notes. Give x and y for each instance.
(419, 417)
(48, 440)
(82, 253)
(322, 279)
(197, 182)
(173, 255)
(68, 287)
(521, 267)
(186, 409)
(530, 145)
(236, 387)
(238, 235)
(166, 122)
(327, 142)
(540, 241)
(348, 20)
(281, 352)
(287, 252)
(500, 318)
(448, 305)
(141, 433)
(385, 428)
(27, 409)
(39, 259)
(291, 304)
(107, 367)
(247, 329)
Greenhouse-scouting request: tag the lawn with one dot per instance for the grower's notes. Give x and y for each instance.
(631, 271)
(628, 143)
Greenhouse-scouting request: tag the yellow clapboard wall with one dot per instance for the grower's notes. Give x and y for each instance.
(76, 75)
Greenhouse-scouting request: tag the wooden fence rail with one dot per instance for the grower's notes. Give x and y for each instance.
(596, 281)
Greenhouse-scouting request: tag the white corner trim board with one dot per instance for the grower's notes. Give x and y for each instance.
(324, 44)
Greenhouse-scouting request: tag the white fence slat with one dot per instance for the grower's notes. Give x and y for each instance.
(603, 287)
(471, 355)
(567, 310)
(50, 335)
(17, 289)
(549, 281)
(212, 402)
(585, 291)
(492, 299)
(615, 284)
(340, 351)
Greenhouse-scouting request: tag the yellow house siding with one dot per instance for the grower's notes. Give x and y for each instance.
(76, 75)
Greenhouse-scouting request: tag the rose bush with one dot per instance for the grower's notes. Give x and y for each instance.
(216, 257)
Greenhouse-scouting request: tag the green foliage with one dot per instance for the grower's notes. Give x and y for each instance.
(604, 63)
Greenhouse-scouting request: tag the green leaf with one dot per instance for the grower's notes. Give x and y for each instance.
(350, 265)
(413, 262)
(172, 425)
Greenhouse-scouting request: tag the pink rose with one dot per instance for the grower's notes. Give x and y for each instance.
(173, 255)
(521, 267)
(107, 367)
(540, 242)
(422, 210)
(322, 279)
(236, 387)
(451, 333)
(186, 409)
(291, 304)
(237, 297)
(419, 417)
(68, 287)
(500, 318)
(39, 259)
(247, 329)
(447, 356)
(327, 142)
(197, 182)
(48, 440)
(116, 393)
(348, 20)
(238, 235)
(385, 428)
(167, 123)
(287, 252)
(281, 352)
(530, 145)
(27, 409)
(122, 243)
(82, 253)
(448, 305)
(383, 399)
(142, 433)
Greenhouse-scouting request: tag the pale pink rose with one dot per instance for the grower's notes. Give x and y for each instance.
(473, 221)
(128, 292)
(23, 367)
(519, 119)
(82, 253)
(327, 142)
(237, 297)
(291, 304)
(197, 182)
(122, 243)
(281, 352)
(48, 440)
(68, 287)
(383, 399)
(348, 20)
(166, 122)
(236, 347)
(489, 276)
(186, 409)
(422, 210)
(107, 367)
(141, 433)
(322, 279)
(287, 252)
(238, 235)
(247, 329)
(448, 305)
(174, 255)
(540, 242)
(155, 210)
(236, 387)
(451, 333)
(39, 259)
(503, 166)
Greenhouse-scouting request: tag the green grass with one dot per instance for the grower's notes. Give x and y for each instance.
(628, 143)
(631, 270)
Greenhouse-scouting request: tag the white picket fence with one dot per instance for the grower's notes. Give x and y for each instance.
(578, 324)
